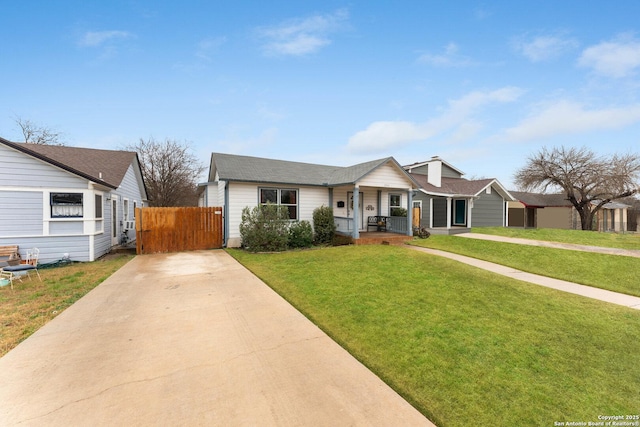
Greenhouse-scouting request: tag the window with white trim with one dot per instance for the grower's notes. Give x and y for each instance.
(98, 206)
(287, 197)
(125, 208)
(395, 201)
(66, 205)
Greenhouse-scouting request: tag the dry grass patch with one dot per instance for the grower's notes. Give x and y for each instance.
(32, 303)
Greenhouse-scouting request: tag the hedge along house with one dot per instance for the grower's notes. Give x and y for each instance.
(447, 203)
(355, 192)
(78, 202)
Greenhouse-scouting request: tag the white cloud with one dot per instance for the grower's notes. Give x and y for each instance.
(97, 38)
(565, 117)
(206, 47)
(449, 58)
(302, 36)
(617, 58)
(544, 48)
(457, 118)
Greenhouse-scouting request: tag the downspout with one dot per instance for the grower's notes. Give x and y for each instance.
(225, 218)
(410, 212)
(449, 213)
(331, 197)
(379, 203)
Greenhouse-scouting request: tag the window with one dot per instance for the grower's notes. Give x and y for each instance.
(125, 208)
(394, 205)
(281, 196)
(98, 206)
(66, 205)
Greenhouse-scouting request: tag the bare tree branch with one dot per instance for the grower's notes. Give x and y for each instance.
(589, 181)
(37, 134)
(170, 171)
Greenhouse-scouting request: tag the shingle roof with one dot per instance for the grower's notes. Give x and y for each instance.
(459, 186)
(541, 200)
(107, 167)
(231, 167)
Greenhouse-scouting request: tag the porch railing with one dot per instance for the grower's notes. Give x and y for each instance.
(343, 225)
(397, 224)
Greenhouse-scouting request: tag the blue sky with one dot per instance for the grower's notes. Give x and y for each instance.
(481, 84)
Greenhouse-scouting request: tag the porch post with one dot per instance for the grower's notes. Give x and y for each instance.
(379, 203)
(331, 197)
(430, 212)
(410, 212)
(469, 209)
(505, 216)
(449, 213)
(356, 213)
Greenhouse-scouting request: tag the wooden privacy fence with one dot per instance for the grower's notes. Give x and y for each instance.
(177, 229)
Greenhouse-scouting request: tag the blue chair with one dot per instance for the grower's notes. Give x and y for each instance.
(17, 271)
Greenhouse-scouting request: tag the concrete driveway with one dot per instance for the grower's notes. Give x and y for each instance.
(190, 339)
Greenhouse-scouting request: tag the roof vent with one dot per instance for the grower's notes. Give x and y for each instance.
(100, 175)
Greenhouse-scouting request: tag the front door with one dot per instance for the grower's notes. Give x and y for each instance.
(350, 209)
(460, 212)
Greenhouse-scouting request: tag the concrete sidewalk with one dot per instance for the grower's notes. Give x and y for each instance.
(556, 245)
(190, 339)
(561, 285)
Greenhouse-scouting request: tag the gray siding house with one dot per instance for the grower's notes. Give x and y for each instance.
(355, 192)
(447, 203)
(68, 201)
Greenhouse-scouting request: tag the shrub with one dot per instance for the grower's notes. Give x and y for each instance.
(300, 235)
(265, 228)
(341, 240)
(398, 212)
(323, 225)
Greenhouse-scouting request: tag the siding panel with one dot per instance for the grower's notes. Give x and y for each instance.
(20, 213)
(386, 176)
(488, 210)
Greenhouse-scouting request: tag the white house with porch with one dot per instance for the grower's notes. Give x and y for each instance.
(362, 196)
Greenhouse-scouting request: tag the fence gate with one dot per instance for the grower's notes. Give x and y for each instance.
(177, 229)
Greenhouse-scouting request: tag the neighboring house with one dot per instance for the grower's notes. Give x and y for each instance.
(447, 203)
(536, 210)
(354, 192)
(78, 202)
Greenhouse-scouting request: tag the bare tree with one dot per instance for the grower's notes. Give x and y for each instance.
(170, 172)
(38, 134)
(589, 181)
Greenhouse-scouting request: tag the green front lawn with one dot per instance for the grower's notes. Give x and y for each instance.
(464, 346)
(612, 272)
(578, 237)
